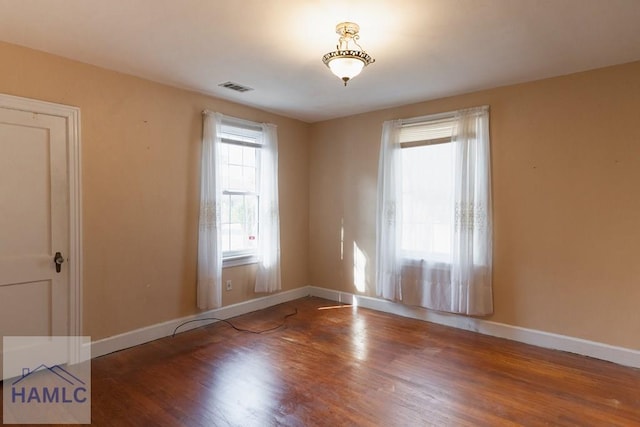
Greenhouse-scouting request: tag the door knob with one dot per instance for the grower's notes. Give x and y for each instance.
(58, 259)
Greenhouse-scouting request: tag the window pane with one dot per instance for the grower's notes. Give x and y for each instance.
(224, 174)
(236, 221)
(239, 172)
(249, 156)
(237, 209)
(249, 179)
(427, 201)
(225, 237)
(224, 153)
(252, 221)
(235, 154)
(242, 226)
(235, 177)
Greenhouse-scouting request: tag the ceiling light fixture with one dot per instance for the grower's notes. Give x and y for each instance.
(346, 62)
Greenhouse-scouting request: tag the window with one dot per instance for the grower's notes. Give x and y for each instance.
(239, 171)
(427, 190)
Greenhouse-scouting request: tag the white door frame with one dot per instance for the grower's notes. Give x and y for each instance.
(72, 116)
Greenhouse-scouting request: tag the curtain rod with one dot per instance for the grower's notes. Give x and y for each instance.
(445, 115)
(239, 122)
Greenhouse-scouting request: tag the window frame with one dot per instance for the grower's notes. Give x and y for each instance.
(231, 258)
(411, 258)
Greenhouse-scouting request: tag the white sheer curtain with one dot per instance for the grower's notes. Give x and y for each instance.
(388, 220)
(268, 274)
(459, 282)
(209, 280)
(472, 250)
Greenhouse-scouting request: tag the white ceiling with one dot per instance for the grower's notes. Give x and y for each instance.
(424, 49)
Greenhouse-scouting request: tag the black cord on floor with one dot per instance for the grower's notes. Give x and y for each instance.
(234, 326)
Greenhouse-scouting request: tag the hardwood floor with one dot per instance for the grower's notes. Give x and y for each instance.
(340, 366)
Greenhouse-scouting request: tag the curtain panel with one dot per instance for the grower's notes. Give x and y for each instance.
(209, 270)
(268, 274)
(389, 214)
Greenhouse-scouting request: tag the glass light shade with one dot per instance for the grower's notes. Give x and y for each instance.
(346, 68)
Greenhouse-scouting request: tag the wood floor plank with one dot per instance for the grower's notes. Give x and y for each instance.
(335, 365)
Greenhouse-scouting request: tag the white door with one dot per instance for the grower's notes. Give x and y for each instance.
(34, 223)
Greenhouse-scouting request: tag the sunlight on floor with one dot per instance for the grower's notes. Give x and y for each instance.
(332, 307)
(359, 338)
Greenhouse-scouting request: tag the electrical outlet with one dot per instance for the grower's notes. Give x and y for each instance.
(229, 286)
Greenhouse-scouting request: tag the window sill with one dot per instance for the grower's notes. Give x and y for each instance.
(415, 261)
(239, 260)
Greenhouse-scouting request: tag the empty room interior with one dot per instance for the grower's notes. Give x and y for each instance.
(418, 212)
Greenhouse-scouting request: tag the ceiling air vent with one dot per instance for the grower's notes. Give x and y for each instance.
(235, 86)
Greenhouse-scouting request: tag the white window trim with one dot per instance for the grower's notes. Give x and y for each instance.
(236, 260)
(241, 257)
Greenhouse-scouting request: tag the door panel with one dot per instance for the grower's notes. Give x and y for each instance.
(26, 309)
(24, 192)
(34, 223)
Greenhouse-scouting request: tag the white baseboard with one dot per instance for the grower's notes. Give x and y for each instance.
(165, 329)
(619, 355)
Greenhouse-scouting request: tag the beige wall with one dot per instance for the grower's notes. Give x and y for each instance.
(140, 161)
(566, 197)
